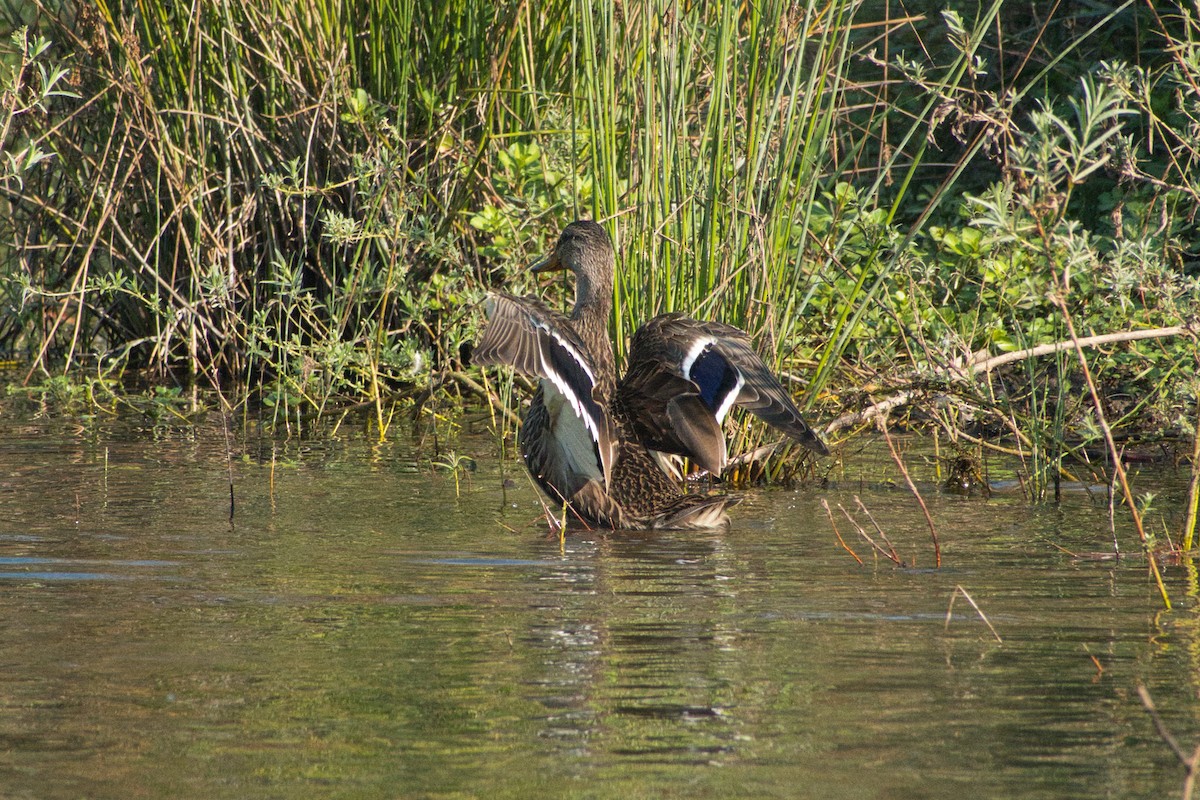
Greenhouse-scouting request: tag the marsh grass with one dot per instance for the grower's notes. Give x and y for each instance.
(304, 203)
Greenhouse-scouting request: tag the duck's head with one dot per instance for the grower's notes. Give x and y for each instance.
(584, 248)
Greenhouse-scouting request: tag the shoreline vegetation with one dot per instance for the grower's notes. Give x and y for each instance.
(979, 222)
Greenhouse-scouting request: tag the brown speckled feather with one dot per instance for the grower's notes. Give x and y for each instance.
(585, 439)
(681, 366)
(536, 341)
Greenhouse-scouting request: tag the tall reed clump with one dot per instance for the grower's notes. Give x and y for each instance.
(232, 205)
(145, 236)
(713, 130)
(153, 240)
(307, 200)
(718, 140)
(31, 81)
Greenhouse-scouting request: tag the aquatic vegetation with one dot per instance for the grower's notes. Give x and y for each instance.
(902, 211)
(599, 442)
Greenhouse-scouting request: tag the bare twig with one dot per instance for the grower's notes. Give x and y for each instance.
(228, 461)
(871, 412)
(225, 409)
(838, 533)
(984, 363)
(892, 556)
(895, 556)
(950, 610)
(890, 552)
(854, 522)
(937, 547)
(1189, 762)
(1118, 466)
(1099, 667)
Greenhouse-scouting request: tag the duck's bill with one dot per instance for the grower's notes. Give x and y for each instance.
(550, 263)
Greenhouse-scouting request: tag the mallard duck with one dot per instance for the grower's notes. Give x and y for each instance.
(596, 444)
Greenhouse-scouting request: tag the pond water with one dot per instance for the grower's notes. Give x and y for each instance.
(364, 628)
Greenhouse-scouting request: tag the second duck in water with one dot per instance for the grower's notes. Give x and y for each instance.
(590, 441)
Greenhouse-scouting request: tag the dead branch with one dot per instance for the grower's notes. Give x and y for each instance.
(984, 363)
(912, 487)
(950, 611)
(1189, 763)
(981, 362)
(837, 533)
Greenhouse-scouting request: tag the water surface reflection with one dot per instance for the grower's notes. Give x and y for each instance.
(359, 630)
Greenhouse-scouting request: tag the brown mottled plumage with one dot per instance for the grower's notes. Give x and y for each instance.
(587, 439)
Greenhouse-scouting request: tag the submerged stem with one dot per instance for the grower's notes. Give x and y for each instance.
(1189, 527)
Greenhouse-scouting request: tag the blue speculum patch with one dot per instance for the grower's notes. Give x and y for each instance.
(715, 377)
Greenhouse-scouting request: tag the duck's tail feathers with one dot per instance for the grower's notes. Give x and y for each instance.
(696, 512)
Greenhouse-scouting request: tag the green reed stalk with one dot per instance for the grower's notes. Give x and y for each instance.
(1193, 499)
(719, 134)
(712, 147)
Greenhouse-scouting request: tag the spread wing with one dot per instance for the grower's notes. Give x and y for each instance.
(524, 334)
(683, 377)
